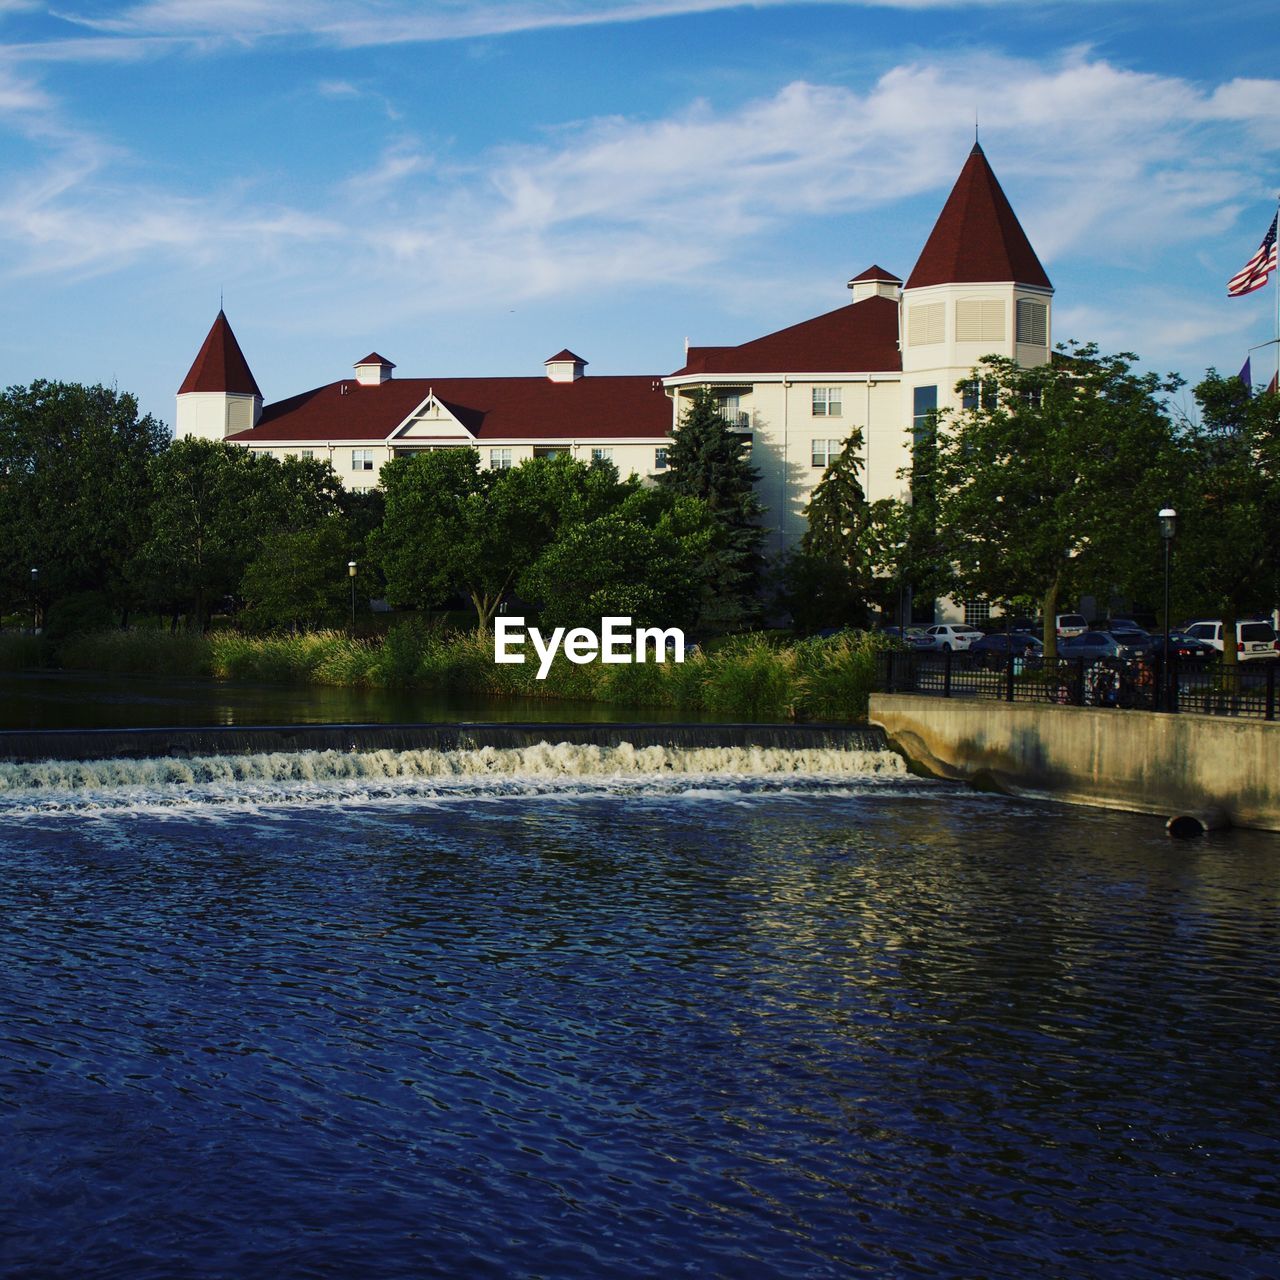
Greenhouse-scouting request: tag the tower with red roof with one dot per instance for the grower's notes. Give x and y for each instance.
(219, 395)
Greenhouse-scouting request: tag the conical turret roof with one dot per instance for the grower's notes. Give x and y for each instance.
(977, 237)
(221, 365)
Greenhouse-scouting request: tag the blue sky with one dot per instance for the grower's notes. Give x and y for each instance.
(468, 186)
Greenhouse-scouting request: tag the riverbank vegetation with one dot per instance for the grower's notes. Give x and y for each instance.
(746, 677)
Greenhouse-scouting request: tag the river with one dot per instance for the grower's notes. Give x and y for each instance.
(563, 1014)
(93, 700)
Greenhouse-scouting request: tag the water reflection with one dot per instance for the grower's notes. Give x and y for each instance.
(914, 1031)
(82, 700)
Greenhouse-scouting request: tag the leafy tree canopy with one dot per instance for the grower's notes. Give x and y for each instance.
(1227, 551)
(74, 489)
(1047, 481)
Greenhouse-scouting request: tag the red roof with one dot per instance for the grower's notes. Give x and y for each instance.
(977, 237)
(877, 273)
(566, 354)
(860, 337)
(490, 408)
(220, 365)
(374, 358)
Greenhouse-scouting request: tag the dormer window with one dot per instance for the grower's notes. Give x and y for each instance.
(373, 370)
(564, 366)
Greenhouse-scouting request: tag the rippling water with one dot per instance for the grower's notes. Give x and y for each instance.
(756, 1025)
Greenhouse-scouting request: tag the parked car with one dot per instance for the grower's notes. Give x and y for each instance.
(1092, 645)
(948, 636)
(1254, 640)
(912, 637)
(1070, 624)
(1186, 648)
(1135, 642)
(993, 650)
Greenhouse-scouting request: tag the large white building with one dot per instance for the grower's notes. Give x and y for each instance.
(883, 361)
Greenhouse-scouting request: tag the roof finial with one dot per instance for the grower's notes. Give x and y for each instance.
(220, 298)
(975, 126)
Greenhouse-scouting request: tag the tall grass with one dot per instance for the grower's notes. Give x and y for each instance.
(744, 678)
(21, 651)
(139, 653)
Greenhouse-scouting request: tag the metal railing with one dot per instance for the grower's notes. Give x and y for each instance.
(1204, 688)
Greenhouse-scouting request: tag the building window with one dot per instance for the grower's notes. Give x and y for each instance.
(731, 410)
(826, 402)
(599, 454)
(981, 391)
(549, 451)
(926, 324)
(1033, 323)
(980, 320)
(660, 458)
(825, 452)
(499, 459)
(308, 453)
(923, 406)
(976, 612)
(361, 459)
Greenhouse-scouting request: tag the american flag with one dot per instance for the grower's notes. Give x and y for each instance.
(1257, 271)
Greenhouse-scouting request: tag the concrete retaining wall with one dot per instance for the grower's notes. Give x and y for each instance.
(1165, 764)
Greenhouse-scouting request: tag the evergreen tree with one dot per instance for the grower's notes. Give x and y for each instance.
(708, 460)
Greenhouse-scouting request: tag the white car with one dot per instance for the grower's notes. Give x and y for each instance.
(1254, 640)
(952, 636)
(1070, 625)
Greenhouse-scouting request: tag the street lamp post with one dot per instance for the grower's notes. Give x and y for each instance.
(351, 574)
(35, 602)
(1168, 518)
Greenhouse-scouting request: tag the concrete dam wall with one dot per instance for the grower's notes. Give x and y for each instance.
(1141, 761)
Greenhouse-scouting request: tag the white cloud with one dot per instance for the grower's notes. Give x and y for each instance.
(353, 23)
(1109, 165)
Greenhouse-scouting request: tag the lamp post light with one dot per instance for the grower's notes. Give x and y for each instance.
(1168, 518)
(35, 603)
(351, 574)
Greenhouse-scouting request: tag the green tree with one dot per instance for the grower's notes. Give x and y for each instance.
(299, 578)
(1227, 553)
(74, 489)
(1047, 480)
(830, 579)
(451, 527)
(708, 460)
(644, 560)
(214, 504)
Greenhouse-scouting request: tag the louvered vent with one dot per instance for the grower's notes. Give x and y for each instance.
(925, 324)
(1033, 323)
(980, 320)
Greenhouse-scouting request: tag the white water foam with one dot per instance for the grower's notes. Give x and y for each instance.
(309, 777)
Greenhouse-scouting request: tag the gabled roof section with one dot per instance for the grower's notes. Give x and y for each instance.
(856, 338)
(434, 420)
(977, 238)
(603, 408)
(876, 273)
(220, 365)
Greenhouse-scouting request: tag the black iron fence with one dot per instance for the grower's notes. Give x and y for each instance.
(1205, 688)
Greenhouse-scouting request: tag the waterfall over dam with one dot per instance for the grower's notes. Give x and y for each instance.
(152, 744)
